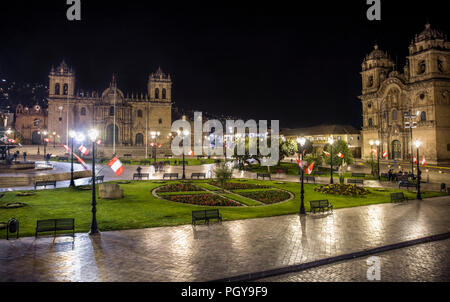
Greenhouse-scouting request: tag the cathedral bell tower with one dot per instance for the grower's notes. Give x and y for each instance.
(61, 81)
(375, 69)
(160, 87)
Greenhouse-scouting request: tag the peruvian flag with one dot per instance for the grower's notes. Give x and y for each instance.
(310, 168)
(340, 155)
(299, 162)
(414, 159)
(83, 150)
(67, 148)
(116, 166)
(385, 154)
(160, 145)
(81, 161)
(327, 153)
(374, 151)
(99, 142)
(423, 162)
(190, 152)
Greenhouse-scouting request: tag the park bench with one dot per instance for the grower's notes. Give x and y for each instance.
(127, 155)
(385, 175)
(320, 205)
(355, 181)
(45, 183)
(198, 175)
(398, 197)
(263, 175)
(170, 175)
(65, 158)
(407, 184)
(12, 226)
(320, 173)
(98, 179)
(358, 174)
(54, 225)
(310, 178)
(141, 175)
(205, 215)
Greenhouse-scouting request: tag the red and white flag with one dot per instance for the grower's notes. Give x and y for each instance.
(299, 162)
(374, 151)
(340, 155)
(99, 142)
(83, 150)
(310, 168)
(116, 166)
(160, 145)
(81, 161)
(385, 154)
(190, 152)
(327, 153)
(414, 159)
(67, 148)
(423, 162)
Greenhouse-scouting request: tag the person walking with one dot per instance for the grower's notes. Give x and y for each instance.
(24, 156)
(139, 169)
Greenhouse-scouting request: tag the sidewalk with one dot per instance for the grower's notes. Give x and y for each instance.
(185, 253)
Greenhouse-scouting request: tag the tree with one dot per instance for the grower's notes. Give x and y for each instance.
(315, 156)
(223, 173)
(287, 148)
(339, 147)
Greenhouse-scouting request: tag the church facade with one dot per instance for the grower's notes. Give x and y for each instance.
(122, 120)
(418, 97)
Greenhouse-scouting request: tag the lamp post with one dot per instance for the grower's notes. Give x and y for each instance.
(183, 135)
(72, 135)
(377, 142)
(371, 155)
(331, 141)
(300, 144)
(93, 134)
(54, 139)
(45, 142)
(154, 135)
(419, 196)
(411, 125)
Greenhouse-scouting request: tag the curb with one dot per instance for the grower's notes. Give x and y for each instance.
(304, 266)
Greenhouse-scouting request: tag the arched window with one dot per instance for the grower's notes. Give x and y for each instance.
(164, 94)
(370, 84)
(422, 67)
(370, 122)
(156, 93)
(139, 113)
(57, 88)
(394, 115)
(111, 111)
(139, 139)
(83, 111)
(65, 89)
(423, 116)
(160, 121)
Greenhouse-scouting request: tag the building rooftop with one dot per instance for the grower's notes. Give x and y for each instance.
(320, 130)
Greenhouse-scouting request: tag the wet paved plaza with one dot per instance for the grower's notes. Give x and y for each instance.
(427, 262)
(203, 253)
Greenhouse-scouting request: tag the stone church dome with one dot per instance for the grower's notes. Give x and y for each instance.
(377, 54)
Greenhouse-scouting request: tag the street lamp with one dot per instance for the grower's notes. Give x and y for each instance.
(301, 143)
(72, 135)
(154, 135)
(419, 196)
(371, 155)
(331, 141)
(377, 142)
(183, 135)
(45, 142)
(54, 139)
(93, 134)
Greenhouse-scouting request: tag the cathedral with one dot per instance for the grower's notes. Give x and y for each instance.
(122, 120)
(399, 108)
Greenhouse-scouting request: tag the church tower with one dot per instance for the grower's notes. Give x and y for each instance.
(61, 81)
(429, 56)
(160, 87)
(375, 69)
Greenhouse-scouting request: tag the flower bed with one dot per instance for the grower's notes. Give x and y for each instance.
(267, 197)
(342, 189)
(203, 200)
(179, 187)
(237, 185)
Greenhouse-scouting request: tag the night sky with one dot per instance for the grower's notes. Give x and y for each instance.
(282, 60)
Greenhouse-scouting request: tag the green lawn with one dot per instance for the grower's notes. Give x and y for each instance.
(140, 209)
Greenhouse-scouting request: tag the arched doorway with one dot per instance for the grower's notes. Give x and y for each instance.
(110, 134)
(139, 139)
(35, 138)
(396, 149)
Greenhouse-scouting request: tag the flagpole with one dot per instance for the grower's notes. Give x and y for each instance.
(114, 127)
(146, 131)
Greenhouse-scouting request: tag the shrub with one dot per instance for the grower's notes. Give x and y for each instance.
(223, 173)
(342, 189)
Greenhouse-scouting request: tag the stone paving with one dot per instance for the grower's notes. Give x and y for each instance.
(427, 262)
(202, 253)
